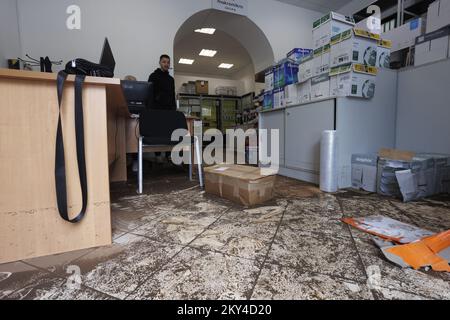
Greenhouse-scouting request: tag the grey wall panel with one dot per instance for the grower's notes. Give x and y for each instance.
(274, 121)
(423, 123)
(304, 127)
(365, 126)
(9, 32)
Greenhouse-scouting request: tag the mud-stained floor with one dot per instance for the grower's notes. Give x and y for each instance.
(176, 242)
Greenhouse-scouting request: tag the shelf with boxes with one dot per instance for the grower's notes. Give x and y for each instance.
(344, 62)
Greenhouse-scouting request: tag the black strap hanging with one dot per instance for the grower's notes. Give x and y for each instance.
(60, 165)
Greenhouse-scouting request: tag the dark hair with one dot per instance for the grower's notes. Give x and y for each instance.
(164, 56)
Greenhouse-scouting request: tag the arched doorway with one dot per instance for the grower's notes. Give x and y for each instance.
(239, 42)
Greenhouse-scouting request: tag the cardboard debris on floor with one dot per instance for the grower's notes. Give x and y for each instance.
(245, 185)
(406, 245)
(389, 229)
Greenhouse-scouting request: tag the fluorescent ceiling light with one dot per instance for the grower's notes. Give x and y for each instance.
(208, 53)
(206, 30)
(186, 61)
(226, 66)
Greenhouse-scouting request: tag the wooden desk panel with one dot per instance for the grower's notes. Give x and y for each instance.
(30, 225)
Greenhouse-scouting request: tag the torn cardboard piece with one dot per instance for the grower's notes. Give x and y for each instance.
(389, 229)
(431, 252)
(242, 184)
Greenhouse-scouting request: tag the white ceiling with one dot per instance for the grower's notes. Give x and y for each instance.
(318, 5)
(229, 50)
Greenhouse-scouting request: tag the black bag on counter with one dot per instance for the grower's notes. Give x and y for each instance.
(87, 68)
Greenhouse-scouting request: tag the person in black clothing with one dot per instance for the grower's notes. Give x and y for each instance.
(163, 91)
(163, 86)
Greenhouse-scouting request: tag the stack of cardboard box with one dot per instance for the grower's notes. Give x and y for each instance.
(402, 174)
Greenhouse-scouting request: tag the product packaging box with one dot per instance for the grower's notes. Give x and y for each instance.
(364, 172)
(405, 175)
(269, 80)
(320, 87)
(371, 24)
(432, 47)
(353, 80)
(438, 15)
(384, 54)
(354, 46)
(405, 36)
(441, 171)
(268, 100)
(278, 98)
(317, 62)
(321, 60)
(245, 185)
(304, 91)
(298, 54)
(201, 87)
(305, 71)
(328, 26)
(291, 95)
(326, 59)
(286, 73)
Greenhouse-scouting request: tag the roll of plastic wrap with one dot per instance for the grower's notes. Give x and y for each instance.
(329, 161)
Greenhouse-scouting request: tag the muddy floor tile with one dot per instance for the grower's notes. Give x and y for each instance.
(290, 188)
(315, 217)
(390, 294)
(432, 285)
(317, 252)
(431, 217)
(117, 270)
(181, 226)
(17, 275)
(57, 289)
(362, 207)
(283, 283)
(323, 206)
(58, 263)
(201, 275)
(245, 239)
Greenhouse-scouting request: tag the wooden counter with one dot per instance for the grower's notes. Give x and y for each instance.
(30, 225)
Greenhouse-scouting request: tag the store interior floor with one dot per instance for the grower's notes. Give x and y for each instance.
(176, 242)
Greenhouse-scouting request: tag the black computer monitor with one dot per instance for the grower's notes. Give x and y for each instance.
(107, 58)
(139, 95)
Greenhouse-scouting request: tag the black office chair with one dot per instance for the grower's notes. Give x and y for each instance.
(156, 128)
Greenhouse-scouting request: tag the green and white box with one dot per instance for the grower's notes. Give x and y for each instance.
(320, 87)
(291, 95)
(317, 62)
(321, 60)
(326, 59)
(328, 26)
(305, 71)
(354, 46)
(353, 80)
(384, 54)
(304, 91)
(278, 98)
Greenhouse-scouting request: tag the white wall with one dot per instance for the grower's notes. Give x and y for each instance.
(9, 32)
(140, 30)
(247, 77)
(355, 6)
(423, 116)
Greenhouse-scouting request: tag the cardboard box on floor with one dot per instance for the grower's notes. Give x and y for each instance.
(241, 184)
